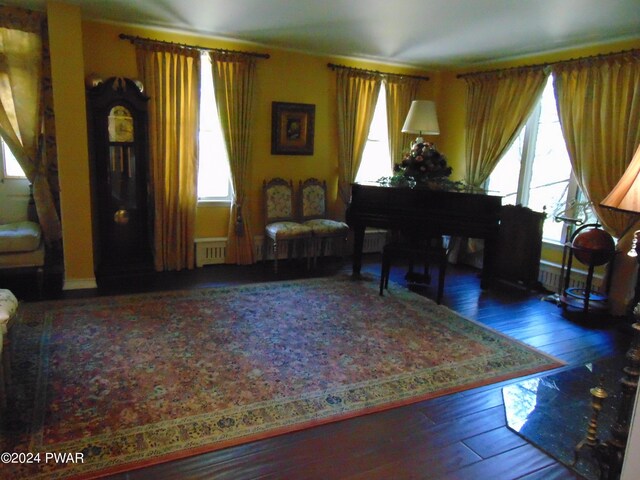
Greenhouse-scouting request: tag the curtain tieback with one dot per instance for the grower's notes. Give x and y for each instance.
(239, 221)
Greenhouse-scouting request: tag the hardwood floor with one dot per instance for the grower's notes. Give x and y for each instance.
(459, 436)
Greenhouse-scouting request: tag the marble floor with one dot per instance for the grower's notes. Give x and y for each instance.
(553, 412)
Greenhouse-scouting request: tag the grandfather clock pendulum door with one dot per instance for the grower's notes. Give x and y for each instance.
(118, 111)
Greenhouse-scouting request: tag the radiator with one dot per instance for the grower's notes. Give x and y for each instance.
(549, 277)
(212, 250)
(374, 240)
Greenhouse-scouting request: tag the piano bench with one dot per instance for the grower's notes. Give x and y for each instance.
(427, 255)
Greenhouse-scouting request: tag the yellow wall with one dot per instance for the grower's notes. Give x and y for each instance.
(65, 37)
(287, 76)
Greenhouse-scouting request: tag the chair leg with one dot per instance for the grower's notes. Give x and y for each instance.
(314, 245)
(40, 281)
(387, 273)
(384, 273)
(275, 257)
(343, 248)
(265, 246)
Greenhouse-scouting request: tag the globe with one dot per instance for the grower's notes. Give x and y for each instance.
(593, 247)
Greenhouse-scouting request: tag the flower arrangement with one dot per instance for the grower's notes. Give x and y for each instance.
(423, 163)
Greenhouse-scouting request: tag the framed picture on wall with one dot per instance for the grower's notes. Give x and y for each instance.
(292, 127)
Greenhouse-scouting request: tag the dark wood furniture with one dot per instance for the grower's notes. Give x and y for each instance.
(119, 172)
(427, 251)
(427, 213)
(519, 246)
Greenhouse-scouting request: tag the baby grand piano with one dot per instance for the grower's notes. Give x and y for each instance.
(430, 213)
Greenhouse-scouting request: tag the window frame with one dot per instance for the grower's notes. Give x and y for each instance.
(527, 159)
(211, 201)
(382, 97)
(4, 148)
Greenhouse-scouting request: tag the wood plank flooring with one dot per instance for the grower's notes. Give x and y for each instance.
(459, 436)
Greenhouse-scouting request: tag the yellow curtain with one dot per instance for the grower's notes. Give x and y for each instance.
(400, 92)
(233, 81)
(21, 100)
(498, 105)
(171, 76)
(599, 109)
(357, 93)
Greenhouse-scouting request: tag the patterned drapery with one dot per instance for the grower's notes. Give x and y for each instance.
(24, 90)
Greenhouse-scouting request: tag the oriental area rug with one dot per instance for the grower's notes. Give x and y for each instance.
(110, 384)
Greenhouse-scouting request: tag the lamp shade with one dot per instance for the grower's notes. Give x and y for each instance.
(422, 118)
(625, 196)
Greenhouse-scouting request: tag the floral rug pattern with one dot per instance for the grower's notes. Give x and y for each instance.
(133, 380)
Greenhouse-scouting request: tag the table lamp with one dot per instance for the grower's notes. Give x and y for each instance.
(421, 119)
(624, 197)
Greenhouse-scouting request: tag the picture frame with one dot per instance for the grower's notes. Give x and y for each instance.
(292, 128)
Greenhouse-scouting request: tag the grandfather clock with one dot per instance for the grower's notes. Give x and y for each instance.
(120, 178)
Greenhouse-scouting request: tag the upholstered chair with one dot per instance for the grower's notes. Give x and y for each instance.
(312, 197)
(280, 224)
(8, 307)
(22, 249)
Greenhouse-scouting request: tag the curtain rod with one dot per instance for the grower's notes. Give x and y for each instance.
(548, 64)
(333, 66)
(134, 39)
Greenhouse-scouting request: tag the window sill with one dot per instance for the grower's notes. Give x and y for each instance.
(553, 245)
(214, 203)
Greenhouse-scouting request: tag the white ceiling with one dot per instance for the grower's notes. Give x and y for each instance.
(421, 33)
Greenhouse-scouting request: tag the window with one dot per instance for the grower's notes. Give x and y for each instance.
(11, 167)
(536, 171)
(214, 176)
(376, 160)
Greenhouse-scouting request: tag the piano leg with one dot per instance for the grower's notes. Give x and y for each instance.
(486, 277)
(358, 242)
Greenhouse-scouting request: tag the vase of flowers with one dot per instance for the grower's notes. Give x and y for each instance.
(423, 166)
(423, 163)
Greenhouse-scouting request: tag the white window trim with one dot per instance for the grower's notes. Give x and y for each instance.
(208, 201)
(3, 172)
(526, 162)
(214, 202)
(381, 98)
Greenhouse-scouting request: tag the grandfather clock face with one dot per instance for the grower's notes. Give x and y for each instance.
(121, 127)
(122, 164)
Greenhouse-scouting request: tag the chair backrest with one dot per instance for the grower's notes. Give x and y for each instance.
(278, 200)
(313, 199)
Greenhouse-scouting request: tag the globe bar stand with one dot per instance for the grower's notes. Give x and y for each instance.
(591, 246)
